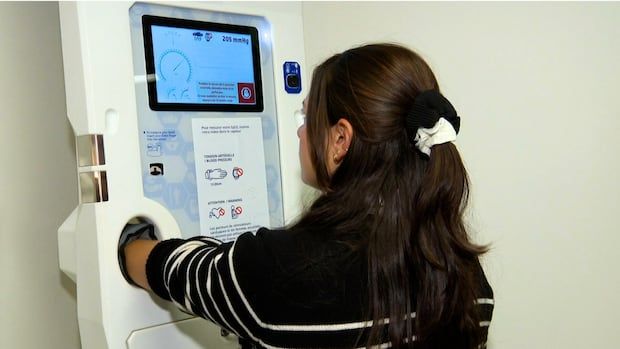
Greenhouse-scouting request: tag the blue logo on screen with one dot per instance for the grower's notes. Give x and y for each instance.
(197, 36)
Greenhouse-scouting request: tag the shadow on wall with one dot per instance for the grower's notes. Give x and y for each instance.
(68, 285)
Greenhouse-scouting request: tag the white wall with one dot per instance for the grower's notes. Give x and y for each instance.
(37, 181)
(536, 85)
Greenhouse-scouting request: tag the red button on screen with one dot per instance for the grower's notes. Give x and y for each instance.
(246, 93)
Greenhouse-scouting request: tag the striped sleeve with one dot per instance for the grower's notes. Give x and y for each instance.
(262, 288)
(193, 274)
(239, 286)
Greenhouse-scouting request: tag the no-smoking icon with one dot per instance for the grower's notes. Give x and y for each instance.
(235, 211)
(237, 172)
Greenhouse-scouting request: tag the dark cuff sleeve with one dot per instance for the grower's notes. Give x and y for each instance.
(155, 266)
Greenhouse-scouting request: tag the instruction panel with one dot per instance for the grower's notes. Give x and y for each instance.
(230, 176)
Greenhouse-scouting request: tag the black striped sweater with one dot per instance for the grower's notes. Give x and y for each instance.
(278, 288)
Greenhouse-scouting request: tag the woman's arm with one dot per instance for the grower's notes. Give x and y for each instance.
(196, 274)
(136, 254)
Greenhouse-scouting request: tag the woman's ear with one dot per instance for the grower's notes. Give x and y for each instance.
(341, 135)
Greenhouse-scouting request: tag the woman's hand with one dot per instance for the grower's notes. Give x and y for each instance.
(136, 242)
(136, 254)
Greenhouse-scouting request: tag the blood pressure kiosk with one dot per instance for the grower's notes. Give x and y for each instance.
(183, 117)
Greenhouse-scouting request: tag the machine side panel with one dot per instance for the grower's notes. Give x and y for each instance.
(75, 62)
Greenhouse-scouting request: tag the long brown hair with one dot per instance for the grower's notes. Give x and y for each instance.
(405, 210)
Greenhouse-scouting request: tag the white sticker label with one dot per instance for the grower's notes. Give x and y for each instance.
(230, 176)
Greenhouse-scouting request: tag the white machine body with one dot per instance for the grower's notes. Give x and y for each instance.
(123, 129)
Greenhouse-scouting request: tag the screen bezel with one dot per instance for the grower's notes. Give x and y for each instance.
(148, 21)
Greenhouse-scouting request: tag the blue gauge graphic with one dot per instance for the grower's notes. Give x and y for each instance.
(173, 94)
(175, 66)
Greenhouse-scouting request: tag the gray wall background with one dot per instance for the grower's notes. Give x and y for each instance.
(37, 181)
(536, 85)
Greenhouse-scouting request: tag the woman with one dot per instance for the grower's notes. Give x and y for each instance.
(382, 257)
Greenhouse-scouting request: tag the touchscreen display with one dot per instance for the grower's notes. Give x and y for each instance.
(202, 66)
